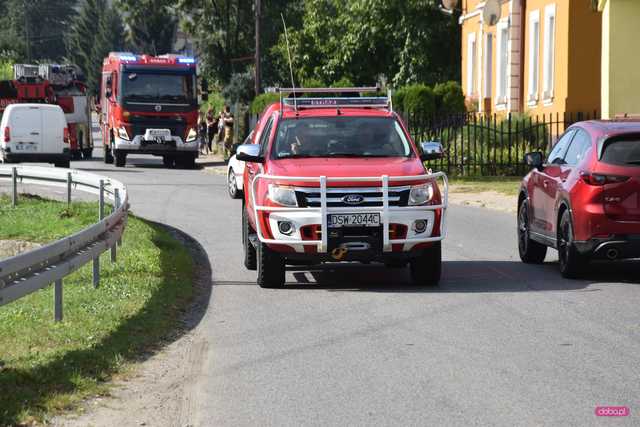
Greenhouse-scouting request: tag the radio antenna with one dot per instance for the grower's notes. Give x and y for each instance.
(293, 83)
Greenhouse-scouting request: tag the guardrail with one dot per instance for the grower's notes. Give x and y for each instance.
(33, 270)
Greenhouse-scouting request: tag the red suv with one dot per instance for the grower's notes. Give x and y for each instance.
(339, 179)
(584, 200)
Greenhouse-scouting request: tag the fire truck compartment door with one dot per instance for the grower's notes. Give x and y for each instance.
(27, 129)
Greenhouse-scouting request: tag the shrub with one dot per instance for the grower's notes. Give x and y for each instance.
(449, 98)
(239, 89)
(398, 98)
(262, 101)
(419, 99)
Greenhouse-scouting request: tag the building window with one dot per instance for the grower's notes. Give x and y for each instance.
(534, 56)
(471, 64)
(549, 51)
(502, 78)
(488, 70)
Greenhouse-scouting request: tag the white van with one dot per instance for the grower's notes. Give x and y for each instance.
(34, 133)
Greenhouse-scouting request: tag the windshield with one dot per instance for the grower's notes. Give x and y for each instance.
(340, 137)
(165, 88)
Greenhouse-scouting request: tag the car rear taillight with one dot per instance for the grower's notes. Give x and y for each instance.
(7, 134)
(599, 179)
(66, 135)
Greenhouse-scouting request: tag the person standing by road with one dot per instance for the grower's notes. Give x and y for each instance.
(203, 131)
(227, 117)
(212, 128)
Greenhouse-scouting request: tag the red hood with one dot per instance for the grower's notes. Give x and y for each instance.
(346, 167)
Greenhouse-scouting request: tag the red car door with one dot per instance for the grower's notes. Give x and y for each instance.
(253, 169)
(546, 183)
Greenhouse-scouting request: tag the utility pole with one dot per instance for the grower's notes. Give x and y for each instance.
(257, 59)
(26, 29)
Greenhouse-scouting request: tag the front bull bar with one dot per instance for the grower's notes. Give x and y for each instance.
(324, 210)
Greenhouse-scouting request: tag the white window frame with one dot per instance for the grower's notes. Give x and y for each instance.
(534, 58)
(549, 55)
(472, 56)
(502, 70)
(489, 48)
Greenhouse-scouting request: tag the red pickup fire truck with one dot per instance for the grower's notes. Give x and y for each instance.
(340, 179)
(149, 105)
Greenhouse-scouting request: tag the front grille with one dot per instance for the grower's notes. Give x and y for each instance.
(141, 124)
(337, 197)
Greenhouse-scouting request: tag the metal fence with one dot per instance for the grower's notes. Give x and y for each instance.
(27, 272)
(483, 144)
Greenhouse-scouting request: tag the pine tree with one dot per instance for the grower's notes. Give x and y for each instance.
(82, 36)
(152, 25)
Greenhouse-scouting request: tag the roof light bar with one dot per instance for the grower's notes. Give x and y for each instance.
(360, 102)
(186, 61)
(128, 58)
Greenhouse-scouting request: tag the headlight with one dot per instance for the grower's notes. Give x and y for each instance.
(192, 135)
(420, 194)
(122, 133)
(284, 196)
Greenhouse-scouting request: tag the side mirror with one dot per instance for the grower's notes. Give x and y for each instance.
(534, 160)
(431, 150)
(249, 153)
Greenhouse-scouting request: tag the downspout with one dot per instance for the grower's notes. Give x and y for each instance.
(523, 32)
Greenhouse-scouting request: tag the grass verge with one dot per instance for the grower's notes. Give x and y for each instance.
(45, 367)
(504, 185)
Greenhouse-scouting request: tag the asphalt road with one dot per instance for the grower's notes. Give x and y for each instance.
(497, 343)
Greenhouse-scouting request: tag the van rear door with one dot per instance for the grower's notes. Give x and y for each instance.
(620, 169)
(54, 122)
(26, 129)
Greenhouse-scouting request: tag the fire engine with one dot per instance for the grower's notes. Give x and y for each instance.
(53, 84)
(149, 105)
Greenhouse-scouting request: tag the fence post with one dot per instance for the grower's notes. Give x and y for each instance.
(14, 181)
(101, 201)
(69, 181)
(57, 300)
(96, 260)
(117, 202)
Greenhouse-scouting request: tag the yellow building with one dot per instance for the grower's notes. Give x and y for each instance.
(620, 58)
(534, 56)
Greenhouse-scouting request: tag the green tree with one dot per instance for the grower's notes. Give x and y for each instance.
(96, 30)
(408, 41)
(151, 25)
(35, 29)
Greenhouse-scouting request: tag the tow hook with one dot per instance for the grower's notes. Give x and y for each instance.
(339, 253)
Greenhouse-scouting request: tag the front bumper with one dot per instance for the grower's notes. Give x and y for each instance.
(392, 217)
(139, 145)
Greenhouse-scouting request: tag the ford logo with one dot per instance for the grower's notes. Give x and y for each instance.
(353, 199)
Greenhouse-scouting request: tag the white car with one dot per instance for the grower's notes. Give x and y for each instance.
(34, 133)
(235, 172)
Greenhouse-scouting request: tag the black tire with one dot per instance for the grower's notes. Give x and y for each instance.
(250, 257)
(571, 262)
(87, 153)
(232, 185)
(186, 161)
(396, 264)
(76, 155)
(427, 268)
(108, 155)
(62, 164)
(531, 252)
(168, 161)
(271, 268)
(121, 158)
